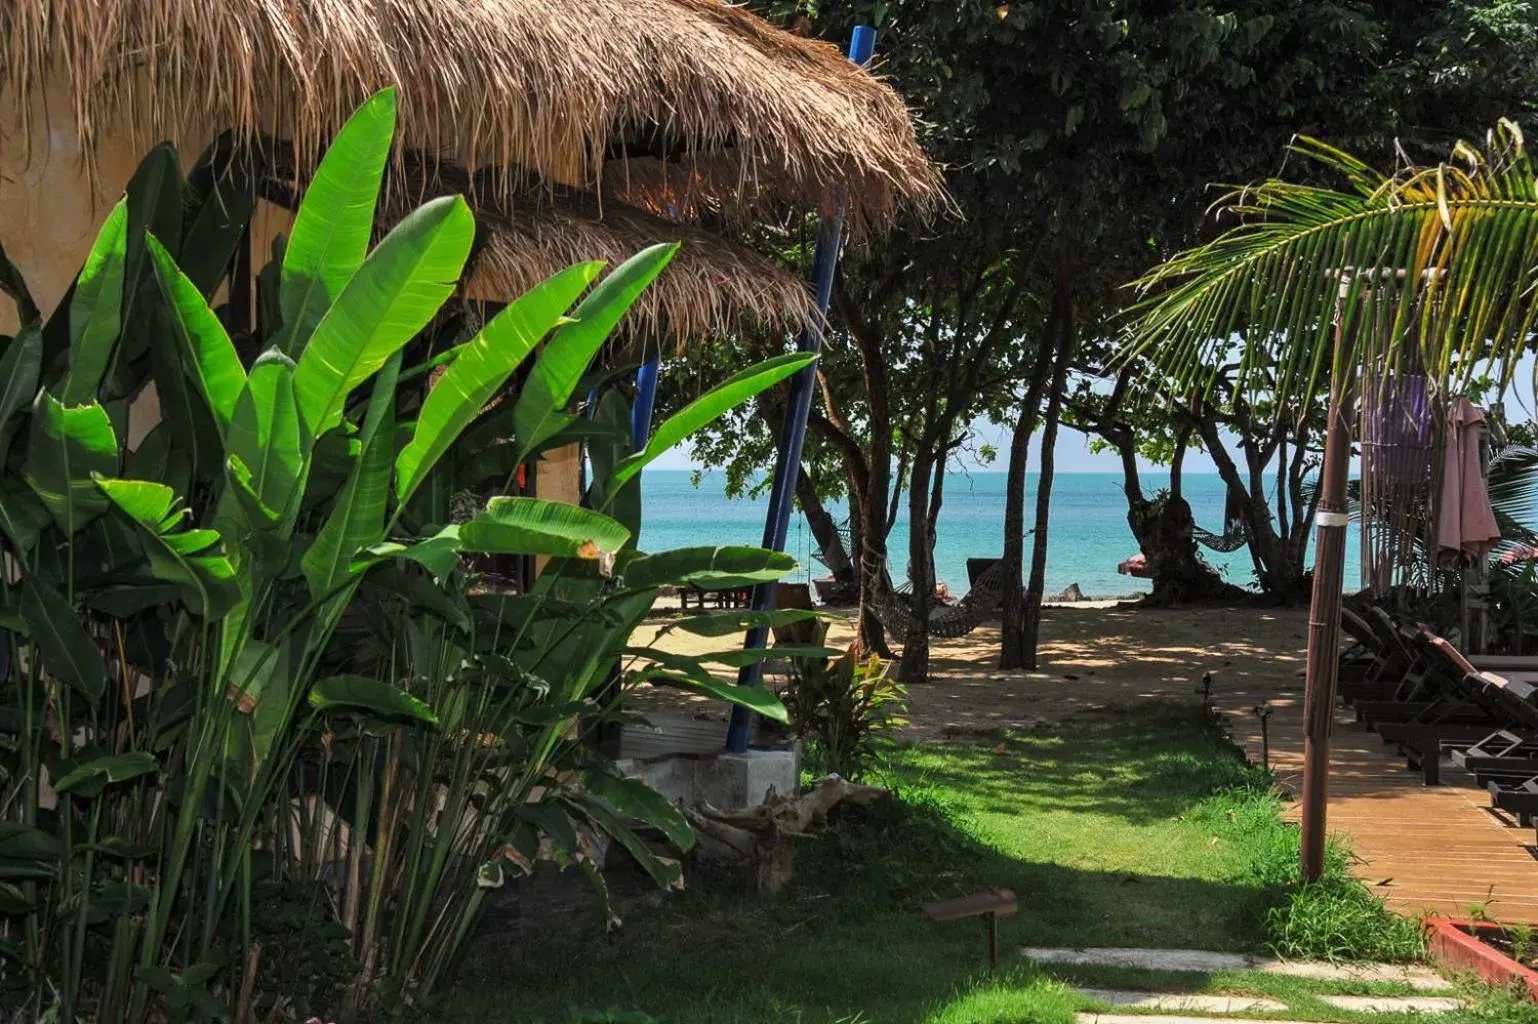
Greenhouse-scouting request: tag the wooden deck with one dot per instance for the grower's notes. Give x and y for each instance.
(1438, 848)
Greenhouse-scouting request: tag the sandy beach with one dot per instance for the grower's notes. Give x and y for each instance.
(1093, 654)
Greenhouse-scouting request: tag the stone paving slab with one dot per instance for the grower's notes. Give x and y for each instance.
(1200, 961)
(1185, 1001)
(1393, 1004)
(1151, 1018)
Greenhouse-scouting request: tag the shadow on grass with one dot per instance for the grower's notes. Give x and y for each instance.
(846, 942)
(1140, 762)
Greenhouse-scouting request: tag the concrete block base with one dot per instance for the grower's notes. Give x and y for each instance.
(729, 782)
(735, 781)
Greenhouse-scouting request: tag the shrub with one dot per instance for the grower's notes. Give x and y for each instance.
(266, 737)
(841, 707)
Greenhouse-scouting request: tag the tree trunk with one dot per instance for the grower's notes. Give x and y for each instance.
(914, 665)
(1036, 587)
(825, 532)
(1012, 646)
(1278, 574)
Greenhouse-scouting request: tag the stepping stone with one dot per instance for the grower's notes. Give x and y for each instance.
(1145, 959)
(1199, 961)
(1393, 1004)
(1422, 979)
(1185, 1001)
(1149, 1018)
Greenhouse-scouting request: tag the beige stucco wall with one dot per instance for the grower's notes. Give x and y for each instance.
(50, 207)
(52, 203)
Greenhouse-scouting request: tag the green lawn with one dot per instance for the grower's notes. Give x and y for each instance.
(1138, 826)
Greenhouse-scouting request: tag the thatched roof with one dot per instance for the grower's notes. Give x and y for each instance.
(710, 284)
(558, 90)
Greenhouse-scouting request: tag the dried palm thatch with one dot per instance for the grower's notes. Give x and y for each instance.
(709, 286)
(553, 90)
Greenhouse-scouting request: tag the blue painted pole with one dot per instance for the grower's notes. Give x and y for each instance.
(787, 463)
(645, 401)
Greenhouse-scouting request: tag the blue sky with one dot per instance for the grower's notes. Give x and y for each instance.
(1072, 451)
(1074, 456)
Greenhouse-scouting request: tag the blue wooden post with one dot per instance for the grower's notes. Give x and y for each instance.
(645, 400)
(787, 463)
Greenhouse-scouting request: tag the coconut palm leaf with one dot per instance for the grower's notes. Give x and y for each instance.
(1513, 486)
(1433, 265)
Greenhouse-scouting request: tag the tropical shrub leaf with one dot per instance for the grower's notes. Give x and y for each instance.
(360, 693)
(331, 232)
(706, 410)
(20, 366)
(708, 567)
(635, 799)
(65, 446)
(182, 556)
(481, 368)
(90, 778)
(96, 309)
(358, 518)
(755, 698)
(268, 435)
(13, 284)
(392, 296)
(67, 649)
(540, 410)
(218, 370)
(729, 621)
(534, 526)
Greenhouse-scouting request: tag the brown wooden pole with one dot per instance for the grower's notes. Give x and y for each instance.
(1324, 626)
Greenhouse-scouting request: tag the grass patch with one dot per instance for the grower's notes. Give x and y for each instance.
(1136, 827)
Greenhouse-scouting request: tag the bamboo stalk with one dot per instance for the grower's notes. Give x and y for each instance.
(1324, 629)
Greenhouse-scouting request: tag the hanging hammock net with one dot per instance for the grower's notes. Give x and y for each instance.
(1234, 535)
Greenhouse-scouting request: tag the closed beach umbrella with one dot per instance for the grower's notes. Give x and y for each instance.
(1466, 530)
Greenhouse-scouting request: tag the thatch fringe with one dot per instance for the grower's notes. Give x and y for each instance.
(528, 90)
(709, 289)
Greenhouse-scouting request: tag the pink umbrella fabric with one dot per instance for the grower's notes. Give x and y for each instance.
(1466, 529)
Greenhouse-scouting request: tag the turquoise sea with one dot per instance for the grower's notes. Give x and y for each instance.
(1088, 534)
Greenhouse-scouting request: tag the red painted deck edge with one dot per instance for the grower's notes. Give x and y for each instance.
(1451, 943)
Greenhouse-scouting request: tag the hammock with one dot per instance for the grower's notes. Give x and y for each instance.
(950, 621)
(1234, 535)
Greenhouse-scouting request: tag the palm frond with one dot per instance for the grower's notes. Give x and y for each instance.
(1513, 486)
(1432, 264)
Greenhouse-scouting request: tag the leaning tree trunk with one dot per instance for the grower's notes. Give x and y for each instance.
(914, 664)
(825, 532)
(1035, 590)
(1166, 534)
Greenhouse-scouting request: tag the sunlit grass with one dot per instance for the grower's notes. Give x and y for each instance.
(1135, 827)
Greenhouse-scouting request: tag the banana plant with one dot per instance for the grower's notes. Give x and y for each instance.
(202, 706)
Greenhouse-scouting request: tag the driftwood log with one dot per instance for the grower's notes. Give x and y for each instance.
(761, 836)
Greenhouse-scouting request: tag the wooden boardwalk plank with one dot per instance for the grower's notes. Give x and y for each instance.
(1421, 848)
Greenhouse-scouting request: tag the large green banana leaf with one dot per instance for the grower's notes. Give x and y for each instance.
(540, 410)
(335, 221)
(217, 367)
(707, 409)
(96, 309)
(482, 368)
(66, 445)
(392, 296)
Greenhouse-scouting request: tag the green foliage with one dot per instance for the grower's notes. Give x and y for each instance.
(1340, 920)
(841, 708)
(1274, 283)
(269, 740)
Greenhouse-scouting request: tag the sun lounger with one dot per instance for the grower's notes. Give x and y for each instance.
(1511, 701)
(1503, 757)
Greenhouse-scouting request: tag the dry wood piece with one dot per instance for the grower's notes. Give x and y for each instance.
(760, 835)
